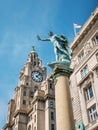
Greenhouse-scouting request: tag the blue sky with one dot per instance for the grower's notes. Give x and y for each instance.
(20, 22)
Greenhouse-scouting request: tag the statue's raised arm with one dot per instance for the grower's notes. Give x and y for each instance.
(38, 38)
(61, 48)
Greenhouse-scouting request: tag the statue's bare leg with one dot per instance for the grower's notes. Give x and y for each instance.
(56, 54)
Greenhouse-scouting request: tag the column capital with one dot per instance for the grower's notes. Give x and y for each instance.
(59, 70)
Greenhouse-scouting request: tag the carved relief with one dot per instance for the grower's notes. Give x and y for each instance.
(87, 49)
(74, 62)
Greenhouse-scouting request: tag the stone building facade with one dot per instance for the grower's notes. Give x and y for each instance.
(33, 106)
(84, 80)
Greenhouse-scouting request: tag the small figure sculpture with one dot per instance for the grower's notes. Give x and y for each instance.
(61, 48)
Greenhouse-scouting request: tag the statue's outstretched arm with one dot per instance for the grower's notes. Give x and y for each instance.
(38, 37)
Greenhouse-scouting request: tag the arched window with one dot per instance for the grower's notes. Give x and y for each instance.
(34, 118)
(95, 39)
(29, 128)
(24, 93)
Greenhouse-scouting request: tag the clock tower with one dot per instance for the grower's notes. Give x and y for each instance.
(30, 79)
(33, 106)
(33, 72)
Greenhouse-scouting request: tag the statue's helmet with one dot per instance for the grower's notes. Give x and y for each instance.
(50, 33)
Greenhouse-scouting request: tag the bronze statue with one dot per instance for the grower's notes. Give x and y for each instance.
(61, 49)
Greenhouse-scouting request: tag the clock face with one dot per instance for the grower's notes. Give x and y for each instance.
(37, 76)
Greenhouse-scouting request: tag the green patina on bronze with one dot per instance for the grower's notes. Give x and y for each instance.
(62, 50)
(80, 126)
(59, 70)
(63, 55)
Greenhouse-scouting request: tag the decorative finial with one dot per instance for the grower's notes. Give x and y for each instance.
(33, 48)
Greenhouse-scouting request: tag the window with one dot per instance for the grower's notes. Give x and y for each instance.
(81, 56)
(95, 40)
(24, 102)
(28, 118)
(35, 118)
(97, 71)
(26, 83)
(50, 85)
(34, 56)
(24, 93)
(35, 107)
(51, 104)
(29, 128)
(89, 92)
(97, 57)
(34, 63)
(39, 63)
(52, 115)
(35, 88)
(92, 113)
(84, 71)
(52, 127)
(31, 94)
(34, 128)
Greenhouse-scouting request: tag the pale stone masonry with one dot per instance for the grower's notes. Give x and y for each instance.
(64, 112)
(84, 80)
(33, 106)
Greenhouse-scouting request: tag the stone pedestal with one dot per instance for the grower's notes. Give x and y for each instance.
(64, 113)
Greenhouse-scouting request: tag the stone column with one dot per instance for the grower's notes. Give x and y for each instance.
(64, 113)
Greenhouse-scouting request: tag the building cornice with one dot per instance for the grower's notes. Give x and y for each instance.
(85, 28)
(20, 112)
(9, 125)
(36, 98)
(17, 88)
(49, 96)
(40, 99)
